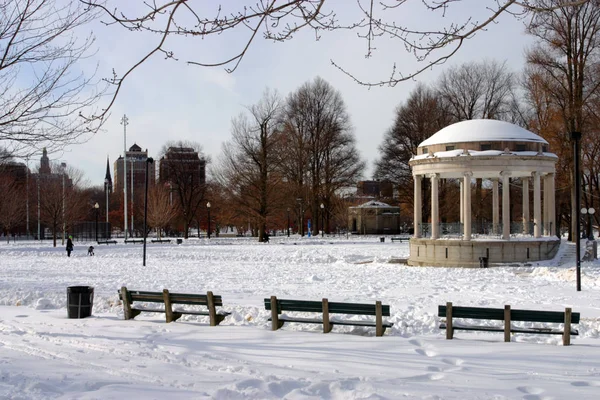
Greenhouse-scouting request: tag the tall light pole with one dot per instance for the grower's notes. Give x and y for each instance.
(125, 122)
(149, 161)
(62, 169)
(27, 193)
(300, 217)
(106, 201)
(288, 222)
(96, 207)
(38, 207)
(576, 137)
(132, 196)
(322, 220)
(208, 209)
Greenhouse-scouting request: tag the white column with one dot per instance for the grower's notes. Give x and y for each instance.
(462, 200)
(537, 206)
(525, 182)
(505, 205)
(467, 205)
(418, 206)
(435, 208)
(495, 205)
(551, 206)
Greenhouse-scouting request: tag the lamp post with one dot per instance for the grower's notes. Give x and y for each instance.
(106, 192)
(125, 122)
(300, 217)
(576, 138)
(149, 161)
(288, 222)
(322, 220)
(589, 211)
(96, 207)
(208, 209)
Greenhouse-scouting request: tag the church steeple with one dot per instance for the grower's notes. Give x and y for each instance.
(107, 178)
(45, 163)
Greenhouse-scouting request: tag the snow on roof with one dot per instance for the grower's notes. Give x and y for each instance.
(482, 130)
(483, 153)
(374, 204)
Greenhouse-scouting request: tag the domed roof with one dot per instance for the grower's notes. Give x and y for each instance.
(482, 130)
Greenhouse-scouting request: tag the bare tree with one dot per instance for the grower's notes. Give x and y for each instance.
(44, 93)
(320, 152)
(161, 211)
(567, 60)
(12, 206)
(280, 21)
(477, 90)
(182, 167)
(249, 162)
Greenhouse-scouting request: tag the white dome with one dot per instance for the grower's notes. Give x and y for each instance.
(482, 130)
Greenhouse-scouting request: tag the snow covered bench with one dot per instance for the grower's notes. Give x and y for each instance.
(400, 239)
(168, 299)
(507, 315)
(161, 240)
(325, 307)
(107, 242)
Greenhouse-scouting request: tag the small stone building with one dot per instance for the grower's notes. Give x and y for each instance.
(374, 217)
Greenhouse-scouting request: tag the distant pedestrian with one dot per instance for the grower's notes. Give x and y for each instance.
(69, 246)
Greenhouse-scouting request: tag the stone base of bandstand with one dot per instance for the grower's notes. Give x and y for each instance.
(466, 253)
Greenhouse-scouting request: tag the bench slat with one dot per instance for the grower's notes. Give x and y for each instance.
(515, 315)
(332, 322)
(334, 308)
(484, 328)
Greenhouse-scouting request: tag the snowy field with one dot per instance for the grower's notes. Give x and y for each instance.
(45, 355)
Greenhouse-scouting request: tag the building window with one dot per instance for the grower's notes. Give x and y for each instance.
(485, 147)
(425, 151)
(545, 148)
(521, 147)
(449, 148)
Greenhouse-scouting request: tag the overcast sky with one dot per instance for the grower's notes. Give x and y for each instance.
(169, 100)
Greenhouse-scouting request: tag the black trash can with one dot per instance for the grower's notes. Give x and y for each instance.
(80, 300)
(483, 262)
(382, 239)
(179, 241)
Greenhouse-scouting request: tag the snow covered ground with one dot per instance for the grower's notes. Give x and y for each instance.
(45, 355)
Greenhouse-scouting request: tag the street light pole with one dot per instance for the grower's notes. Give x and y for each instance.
(322, 220)
(208, 209)
(576, 137)
(106, 192)
(288, 222)
(149, 161)
(96, 207)
(125, 122)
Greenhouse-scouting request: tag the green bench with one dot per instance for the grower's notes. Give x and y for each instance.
(134, 241)
(208, 300)
(107, 242)
(277, 306)
(400, 239)
(161, 240)
(508, 315)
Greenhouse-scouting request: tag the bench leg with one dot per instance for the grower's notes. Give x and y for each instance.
(128, 313)
(275, 322)
(507, 323)
(168, 307)
(326, 324)
(212, 312)
(567, 329)
(379, 329)
(449, 328)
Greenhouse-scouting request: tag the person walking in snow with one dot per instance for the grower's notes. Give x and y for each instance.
(69, 246)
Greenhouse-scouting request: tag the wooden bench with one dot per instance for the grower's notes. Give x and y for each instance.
(277, 306)
(168, 299)
(508, 315)
(161, 240)
(107, 242)
(134, 241)
(400, 239)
